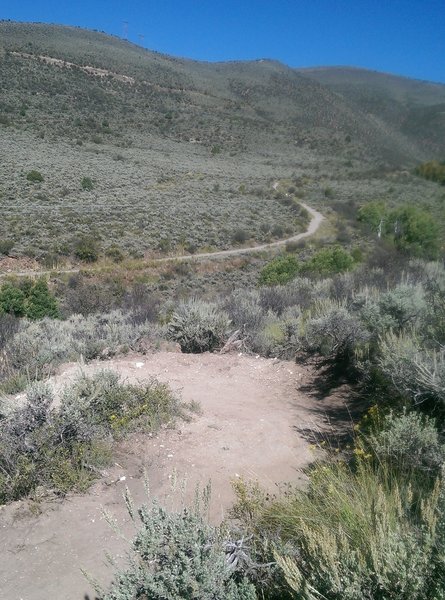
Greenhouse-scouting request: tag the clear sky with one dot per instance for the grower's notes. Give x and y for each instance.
(406, 37)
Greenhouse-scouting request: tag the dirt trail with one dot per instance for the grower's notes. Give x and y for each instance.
(315, 222)
(251, 408)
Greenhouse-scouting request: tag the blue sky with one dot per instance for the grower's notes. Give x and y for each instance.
(406, 37)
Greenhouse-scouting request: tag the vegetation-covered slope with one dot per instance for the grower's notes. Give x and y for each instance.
(411, 107)
(146, 153)
(64, 74)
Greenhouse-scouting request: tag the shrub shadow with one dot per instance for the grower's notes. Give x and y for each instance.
(338, 403)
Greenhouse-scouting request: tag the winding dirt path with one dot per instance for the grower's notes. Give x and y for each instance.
(314, 224)
(251, 409)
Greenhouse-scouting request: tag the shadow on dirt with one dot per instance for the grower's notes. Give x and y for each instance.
(338, 402)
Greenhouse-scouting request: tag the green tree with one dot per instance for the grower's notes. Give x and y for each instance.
(433, 170)
(40, 302)
(375, 216)
(415, 230)
(12, 300)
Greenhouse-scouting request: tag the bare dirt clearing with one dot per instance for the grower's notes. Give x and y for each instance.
(251, 410)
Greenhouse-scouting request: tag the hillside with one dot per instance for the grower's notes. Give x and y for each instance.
(63, 75)
(415, 109)
(148, 154)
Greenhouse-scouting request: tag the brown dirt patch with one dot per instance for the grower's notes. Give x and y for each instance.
(251, 410)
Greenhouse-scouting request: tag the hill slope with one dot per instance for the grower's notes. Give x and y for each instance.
(63, 75)
(147, 153)
(414, 108)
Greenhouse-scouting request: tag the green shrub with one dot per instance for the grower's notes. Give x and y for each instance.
(178, 555)
(279, 271)
(34, 176)
(6, 246)
(408, 441)
(104, 402)
(12, 300)
(415, 231)
(412, 228)
(433, 170)
(415, 372)
(63, 448)
(240, 236)
(40, 302)
(87, 249)
(198, 326)
(375, 216)
(33, 301)
(334, 332)
(87, 184)
(115, 253)
(328, 261)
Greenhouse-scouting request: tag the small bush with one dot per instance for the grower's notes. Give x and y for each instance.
(39, 346)
(6, 246)
(408, 441)
(34, 176)
(399, 308)
(334, 332)
(87, 184)
(416, 373)
(243, 308)
(277, 298)
(33, 301)
(64, 448)
(178, 555)
(329, 260)
(279, 271)
(115, 253)
(240, 236)
(104, 403)
(198, 326)
(9, 326)
(12, 300)
(278, 337)
(87, 249)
